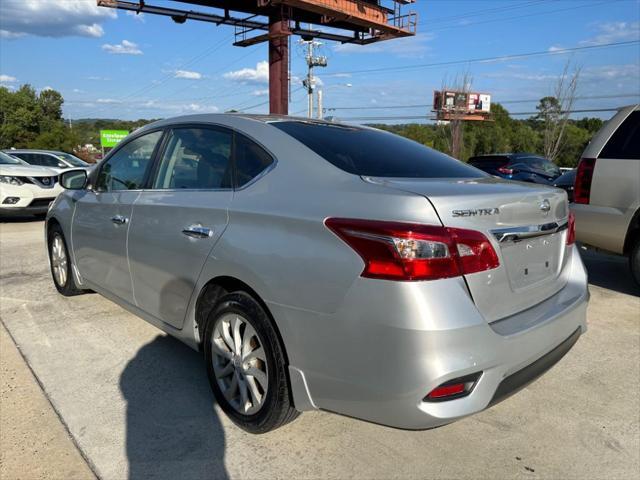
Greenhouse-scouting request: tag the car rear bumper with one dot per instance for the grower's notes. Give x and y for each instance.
(380, 355)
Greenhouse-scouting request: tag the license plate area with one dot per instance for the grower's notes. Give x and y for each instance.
(532, 261)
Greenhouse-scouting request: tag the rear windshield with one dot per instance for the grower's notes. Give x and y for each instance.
(72, 159)
(375, 153)
(489, 161)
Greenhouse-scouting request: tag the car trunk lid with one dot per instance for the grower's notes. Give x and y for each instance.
(525, 223)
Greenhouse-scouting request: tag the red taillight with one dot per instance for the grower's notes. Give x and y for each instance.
(505, 170)
(571, 233)
(410, 251)
(584, 176)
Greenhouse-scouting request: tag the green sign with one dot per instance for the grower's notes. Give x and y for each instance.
(111, 138)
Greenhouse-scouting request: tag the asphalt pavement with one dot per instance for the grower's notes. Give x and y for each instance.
(131, 402)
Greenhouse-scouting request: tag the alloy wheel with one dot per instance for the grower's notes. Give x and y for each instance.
(59, 260)
(239, 363)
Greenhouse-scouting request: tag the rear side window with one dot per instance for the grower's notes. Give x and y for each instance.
(539, 163)
(375, 153)
(39, 159)
(625, 142)
(251, 160)
(196, 159)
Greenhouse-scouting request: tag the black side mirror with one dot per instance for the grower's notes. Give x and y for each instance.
(73, 179)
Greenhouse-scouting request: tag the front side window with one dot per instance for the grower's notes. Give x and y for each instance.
(196, 159)
(126, 169)
(251, 160)
(368, 152)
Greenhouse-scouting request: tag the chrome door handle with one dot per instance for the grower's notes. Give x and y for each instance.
(119, 220)
(197, 231)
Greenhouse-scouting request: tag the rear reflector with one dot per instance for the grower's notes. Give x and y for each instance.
(447, 390)
(411, 251)
(584, 177)
(571, 233)
(456, 388)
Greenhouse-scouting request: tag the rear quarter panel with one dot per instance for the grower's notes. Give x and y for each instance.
(615, 194)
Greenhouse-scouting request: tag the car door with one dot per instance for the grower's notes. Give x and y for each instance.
(178, 220)
(103, 213)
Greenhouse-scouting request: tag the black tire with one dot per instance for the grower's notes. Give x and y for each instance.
(634, 261)
(277, 409)
(69, 288)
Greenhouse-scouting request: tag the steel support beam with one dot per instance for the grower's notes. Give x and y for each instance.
(278, 66)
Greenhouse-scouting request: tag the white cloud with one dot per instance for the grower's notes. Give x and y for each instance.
(44, 89)
(7, 78)
(609, 32)
(189, 75)
(97, 78)
(260, 93)
(611, 72)
(124, 48)
(136, 16)
(260, 74)
(108, 101)
(10, 35)
(77, 90)
(53, 18)
(413, 47)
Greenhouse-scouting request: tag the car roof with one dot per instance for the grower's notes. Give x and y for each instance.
(509, 155)
(232, 119)
(32, 150)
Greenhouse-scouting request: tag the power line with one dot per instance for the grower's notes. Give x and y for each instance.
(560, 51)
(503, 102)
(447, 19)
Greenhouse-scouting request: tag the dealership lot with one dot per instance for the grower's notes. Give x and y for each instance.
(137, 403)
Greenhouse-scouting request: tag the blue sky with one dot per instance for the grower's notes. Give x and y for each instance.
(112, 64)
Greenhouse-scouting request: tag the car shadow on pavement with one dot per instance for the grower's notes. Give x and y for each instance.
(609, 271)
(172, 428)
(21, 219)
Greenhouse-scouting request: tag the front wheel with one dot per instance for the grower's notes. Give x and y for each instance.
(246, 365)
(60, 263)
(634, 261)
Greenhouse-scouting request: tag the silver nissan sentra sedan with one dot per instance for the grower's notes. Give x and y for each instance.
(325, 266)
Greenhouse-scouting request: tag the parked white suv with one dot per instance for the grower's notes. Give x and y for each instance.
(25, 189)
(607, 189)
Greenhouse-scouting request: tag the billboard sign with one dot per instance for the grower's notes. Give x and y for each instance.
(111, 138)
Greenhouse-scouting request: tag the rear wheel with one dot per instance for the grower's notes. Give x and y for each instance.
(634, 261)
(60, 263)
(246, 365)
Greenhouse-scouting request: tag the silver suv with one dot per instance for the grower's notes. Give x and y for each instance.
(326, 266)
(607, 189)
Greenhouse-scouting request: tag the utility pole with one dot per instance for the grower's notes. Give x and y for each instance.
(320, 113)
(312, 61)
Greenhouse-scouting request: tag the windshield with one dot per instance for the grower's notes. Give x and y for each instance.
(73, 160)
(374, 153)
(9, 160)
